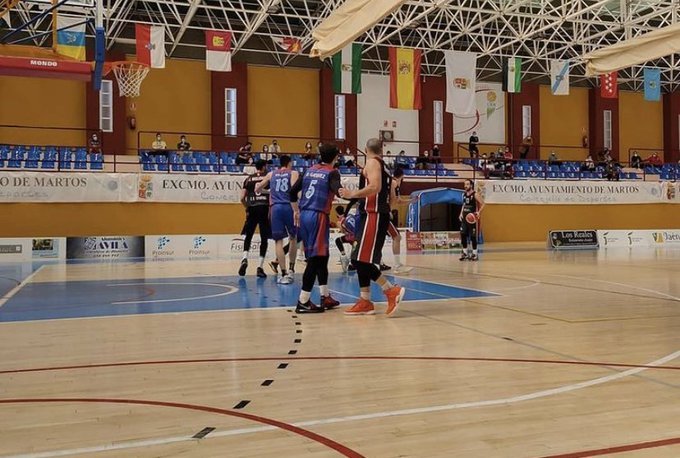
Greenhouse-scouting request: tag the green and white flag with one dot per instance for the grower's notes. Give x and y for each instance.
(512, 75)
(347, 70)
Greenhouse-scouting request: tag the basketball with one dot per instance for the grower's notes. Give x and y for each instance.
(471, 218)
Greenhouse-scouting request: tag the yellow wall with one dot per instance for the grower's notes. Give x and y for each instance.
(283, 102)
(519, 223)
(173, 99)
(563, 120)
(60, 220)
(640, 124)
(42, 102)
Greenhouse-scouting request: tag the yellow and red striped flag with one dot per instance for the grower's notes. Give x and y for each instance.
(405, 78)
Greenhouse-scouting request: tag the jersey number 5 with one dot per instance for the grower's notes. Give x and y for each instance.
(311, 190)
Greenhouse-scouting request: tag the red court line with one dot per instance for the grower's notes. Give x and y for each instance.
(619, 449)
(345, 451)
(341, 358)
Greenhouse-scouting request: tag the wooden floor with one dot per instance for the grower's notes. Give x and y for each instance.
(578, 355)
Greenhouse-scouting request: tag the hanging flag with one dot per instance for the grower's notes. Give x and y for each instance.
(6, 18)
(347, 70)
(512, 75)
(609, 87)
(288, 44)
(559, 77)
(218, 51)
(150, 45)
(405, 78)
(461, 82)
(652, 84)
(71, 42)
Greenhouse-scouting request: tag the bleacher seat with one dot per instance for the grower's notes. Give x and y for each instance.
(162, 162)
(4, 155)
(81, 159)
(16, 157)
(33, 158)
(189, 163)
(49, 160)
(96, 161)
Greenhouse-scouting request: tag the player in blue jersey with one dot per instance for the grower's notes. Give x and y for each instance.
(280, 182)
(318, 187)
(347, 222)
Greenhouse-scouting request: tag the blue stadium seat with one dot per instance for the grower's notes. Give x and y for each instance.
(65, 159)
(234, 168)
(49, 158)
(189, 163)
(96, 161)
(16, 157)
(4, 155)
(162, 162)
(81, 159)
(33, 159)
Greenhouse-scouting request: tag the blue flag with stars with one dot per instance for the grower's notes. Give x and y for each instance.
(652, 84)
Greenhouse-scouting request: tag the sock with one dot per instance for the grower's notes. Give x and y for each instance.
(292, 267)
(474, 251)
(366, 295)
(324, 290)
(261, 261)
(464, 251)
(245, 256)
(304, 296)
(384, 283)
(397, 259)
(283, 272)
(343, 254)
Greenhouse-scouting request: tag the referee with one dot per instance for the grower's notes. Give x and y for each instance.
(257, 214)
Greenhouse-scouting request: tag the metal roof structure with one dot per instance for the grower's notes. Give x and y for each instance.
(535, 30)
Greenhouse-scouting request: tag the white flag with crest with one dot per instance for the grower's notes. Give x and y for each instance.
(461, 82)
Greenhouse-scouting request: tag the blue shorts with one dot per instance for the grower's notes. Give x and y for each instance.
(314, 232)
(281, 216)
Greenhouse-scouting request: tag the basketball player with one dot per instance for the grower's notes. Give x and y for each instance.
(374, 209)
(347, 223)
(257, 215)
(318, 187)
(280, 182)
(395, 194)
(472, 204)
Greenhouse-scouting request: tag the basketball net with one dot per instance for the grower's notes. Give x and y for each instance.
(129, 76)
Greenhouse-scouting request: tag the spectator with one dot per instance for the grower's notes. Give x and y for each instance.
(318, 147)
(526, 146)
(158, 143)
(654, 160)
(507, 154)
(636, 160)
(183, 144)
(500, 154)
(553, 159)
(245, 155)
(95, 145)
(612, 171)
(588, 165)
(274, 148)
(308, 154)
(436, 155)
(348, 158)
(486, 165)
(472, 145)
(401, 160)
(422, 160)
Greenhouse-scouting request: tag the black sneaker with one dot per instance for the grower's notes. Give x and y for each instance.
(260, 273)
(351, 268)
(474, 258)
(329, 303)
(384, 267)
(308, 307)
(275, 266)
(463, 257)
(242, 269)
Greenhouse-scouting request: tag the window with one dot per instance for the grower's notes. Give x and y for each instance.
(106, 106)
(526, 121)
(438, 122)
(608, 129)
(230, 111)
(340, 117)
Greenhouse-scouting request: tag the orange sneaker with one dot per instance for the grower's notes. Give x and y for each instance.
(394, 296)
(362, 307)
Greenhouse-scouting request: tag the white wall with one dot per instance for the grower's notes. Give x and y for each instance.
(373, 111)
(489, 121)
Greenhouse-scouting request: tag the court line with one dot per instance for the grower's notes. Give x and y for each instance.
(232, 290)
(619, 449)
(379, 415)
(343, 450)
(24, 282)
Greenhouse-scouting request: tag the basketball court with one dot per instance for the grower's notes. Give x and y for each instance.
(527, 353)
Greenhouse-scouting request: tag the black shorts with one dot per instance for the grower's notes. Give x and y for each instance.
(258, 216)
(467, 229)
(370, 237)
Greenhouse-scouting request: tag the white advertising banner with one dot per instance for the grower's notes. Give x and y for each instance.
(570, 192)
(67, 187)
(639, 238)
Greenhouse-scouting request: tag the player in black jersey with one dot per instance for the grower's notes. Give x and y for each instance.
(257, 215)
(472, 204)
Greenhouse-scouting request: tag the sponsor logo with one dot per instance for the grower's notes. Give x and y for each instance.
(10, 249)
(163, 242)
(666, 237)
(43, 63)
(199, 241)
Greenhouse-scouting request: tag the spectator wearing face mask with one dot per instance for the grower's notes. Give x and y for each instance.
(95, 145)
(183, 144)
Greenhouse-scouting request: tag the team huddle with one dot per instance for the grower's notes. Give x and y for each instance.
(298, 209)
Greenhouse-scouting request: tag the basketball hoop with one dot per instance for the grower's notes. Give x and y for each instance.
(129, 75)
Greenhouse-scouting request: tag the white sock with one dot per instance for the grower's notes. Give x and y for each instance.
(474, 251)
(366, 296)
(386, 286)
(261, 261)
(245, 255)
(304, 296)
(397, 259)
(324, 290)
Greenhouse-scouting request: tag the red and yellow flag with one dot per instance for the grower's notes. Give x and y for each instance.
(405, 78)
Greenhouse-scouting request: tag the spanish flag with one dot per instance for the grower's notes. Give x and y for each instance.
(405, 78)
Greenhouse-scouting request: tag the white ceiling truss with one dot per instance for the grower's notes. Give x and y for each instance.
(535, 30)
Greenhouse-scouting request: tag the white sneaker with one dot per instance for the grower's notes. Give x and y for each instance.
(290, 276)
(401, 269)
(284, 280)
(344, 262)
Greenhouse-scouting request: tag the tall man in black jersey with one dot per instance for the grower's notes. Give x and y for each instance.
(472, 204)
(257, 214)
(374, 208)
